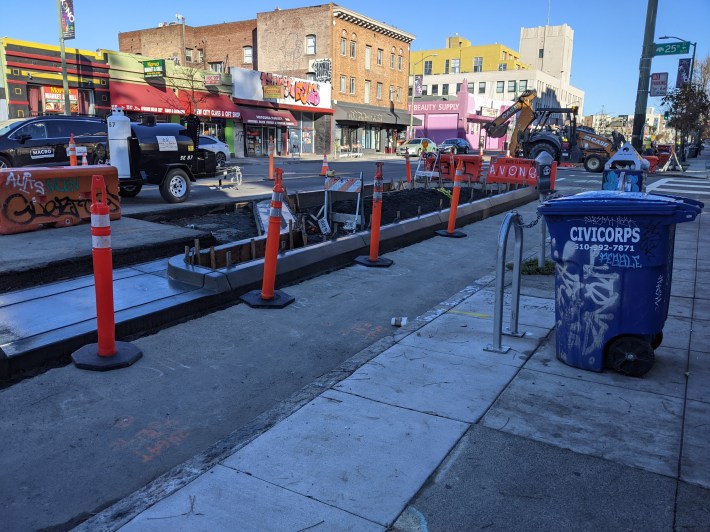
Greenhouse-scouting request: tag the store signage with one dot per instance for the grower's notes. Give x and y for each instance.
(213, 79)
(489, 112)
(154, 68)
(54, 99)
(273, 92)
(436, 107)
(659, 84)
(67, 22)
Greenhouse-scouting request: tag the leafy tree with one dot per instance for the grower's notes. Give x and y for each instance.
(689, 108)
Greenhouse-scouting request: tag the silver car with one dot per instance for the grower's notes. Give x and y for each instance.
(220, 149)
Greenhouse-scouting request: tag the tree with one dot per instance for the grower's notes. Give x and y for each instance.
(688, 111)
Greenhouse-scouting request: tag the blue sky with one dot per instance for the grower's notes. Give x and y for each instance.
(608, 34)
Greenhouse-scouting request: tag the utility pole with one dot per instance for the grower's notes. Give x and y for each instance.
(644, 76)
(63, 54)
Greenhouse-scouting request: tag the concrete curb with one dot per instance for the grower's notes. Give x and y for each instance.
(337, 253)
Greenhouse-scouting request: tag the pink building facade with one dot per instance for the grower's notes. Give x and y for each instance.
(461, 117)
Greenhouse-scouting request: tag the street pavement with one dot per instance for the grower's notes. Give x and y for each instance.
(424, 429)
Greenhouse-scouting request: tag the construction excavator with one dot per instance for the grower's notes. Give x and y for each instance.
(535, 132)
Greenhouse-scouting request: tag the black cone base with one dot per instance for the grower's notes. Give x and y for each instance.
(455, 234)
(87, 357)
(254, 300)
(379, 263)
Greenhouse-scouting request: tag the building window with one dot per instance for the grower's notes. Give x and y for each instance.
(523, 85)
(399, 94)
(216, 67)
(399, 63)
(353, 49)
(343, 46)
(471, 86)
(352, 85)
(425, 90)
(379, 91)
(503, 56)
(446, 66)
(188, 55)
(478, 64)
(391, 93)
(380, 52)
(458, 88)
(427, 68)
(541, 53)
(310, 45)
(392, 61)
(200, 55)
(511, 86)
(247, 51)
(366, 97)
(500, 87)
(368, 55)
(445, 89)
(502, 66)
(311, 76)
(455, 66)
(481, 87)
(435, 90)
(343, 84)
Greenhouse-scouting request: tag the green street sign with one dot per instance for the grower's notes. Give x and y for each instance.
(671, 49)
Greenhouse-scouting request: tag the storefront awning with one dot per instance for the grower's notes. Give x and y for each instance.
(145, 98)
(261, 116)
(373, 115)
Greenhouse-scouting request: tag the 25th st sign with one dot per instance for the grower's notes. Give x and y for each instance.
(671, 49)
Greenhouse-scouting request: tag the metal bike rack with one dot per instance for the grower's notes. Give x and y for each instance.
(514, 219)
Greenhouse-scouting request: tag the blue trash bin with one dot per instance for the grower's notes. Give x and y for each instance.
(614, 259)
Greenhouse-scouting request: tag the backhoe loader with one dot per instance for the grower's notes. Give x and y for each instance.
(565, 142)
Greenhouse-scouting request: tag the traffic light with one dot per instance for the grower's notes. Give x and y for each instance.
(666, 115)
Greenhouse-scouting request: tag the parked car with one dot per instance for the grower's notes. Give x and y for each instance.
(416, 146)
(455, 146)
(219, 148)
(44, 140)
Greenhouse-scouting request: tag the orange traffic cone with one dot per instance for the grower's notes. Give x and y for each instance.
(324, 168)
(72, 150)
(84, 160)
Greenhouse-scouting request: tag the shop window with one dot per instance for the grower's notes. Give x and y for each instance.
(248, 58)
(310, 45)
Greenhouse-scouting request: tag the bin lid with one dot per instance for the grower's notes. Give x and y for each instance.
(613, 202)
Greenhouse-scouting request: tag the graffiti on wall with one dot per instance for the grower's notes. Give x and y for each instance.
(323, 70)
(300, 91)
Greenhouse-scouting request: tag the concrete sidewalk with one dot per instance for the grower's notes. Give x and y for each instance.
(432, 432)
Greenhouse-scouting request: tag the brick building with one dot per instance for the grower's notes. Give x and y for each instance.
(366, 63)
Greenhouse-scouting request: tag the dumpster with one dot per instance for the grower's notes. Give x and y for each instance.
(614, 260)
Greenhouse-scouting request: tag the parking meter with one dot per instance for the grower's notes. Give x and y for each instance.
(543, 169)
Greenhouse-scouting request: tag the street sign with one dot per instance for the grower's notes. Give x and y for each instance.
(672, 48)
(659, 84)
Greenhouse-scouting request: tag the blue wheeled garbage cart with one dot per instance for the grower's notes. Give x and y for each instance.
(614, 260)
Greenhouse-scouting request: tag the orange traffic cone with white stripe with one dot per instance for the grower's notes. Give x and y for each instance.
(84, 160)
(72, 150)
(324, 168)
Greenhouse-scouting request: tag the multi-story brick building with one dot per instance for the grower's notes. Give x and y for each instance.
(366, 62)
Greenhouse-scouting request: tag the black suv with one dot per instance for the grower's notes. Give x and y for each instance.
(44, 140)
(455, 146)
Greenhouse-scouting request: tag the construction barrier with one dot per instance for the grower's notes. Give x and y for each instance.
(373, 259)
(451, 229)
(59, 196)
(268, 297)
(652, 163)
(272, 149)
(107, 354)
(516, 171)
(472, 168)
(408, 166)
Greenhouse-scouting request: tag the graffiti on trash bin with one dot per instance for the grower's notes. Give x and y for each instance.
(658, 296)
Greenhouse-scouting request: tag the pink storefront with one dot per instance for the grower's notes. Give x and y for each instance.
(461, 117)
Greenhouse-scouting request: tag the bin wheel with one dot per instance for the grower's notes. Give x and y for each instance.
(656, 339)
(630, 355)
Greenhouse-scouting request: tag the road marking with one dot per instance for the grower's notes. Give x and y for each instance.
(696, 187)
(472, 314)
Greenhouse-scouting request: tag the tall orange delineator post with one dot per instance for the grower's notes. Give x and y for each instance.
(324, 167)
(451, 230)
(107, 354)
(72, 150)
(267, 297)
(272, 149)
(373, 259)
(408, 166)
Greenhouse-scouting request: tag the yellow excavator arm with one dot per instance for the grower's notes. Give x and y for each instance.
(498, 127)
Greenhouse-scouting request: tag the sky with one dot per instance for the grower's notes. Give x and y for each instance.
(608, 34)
